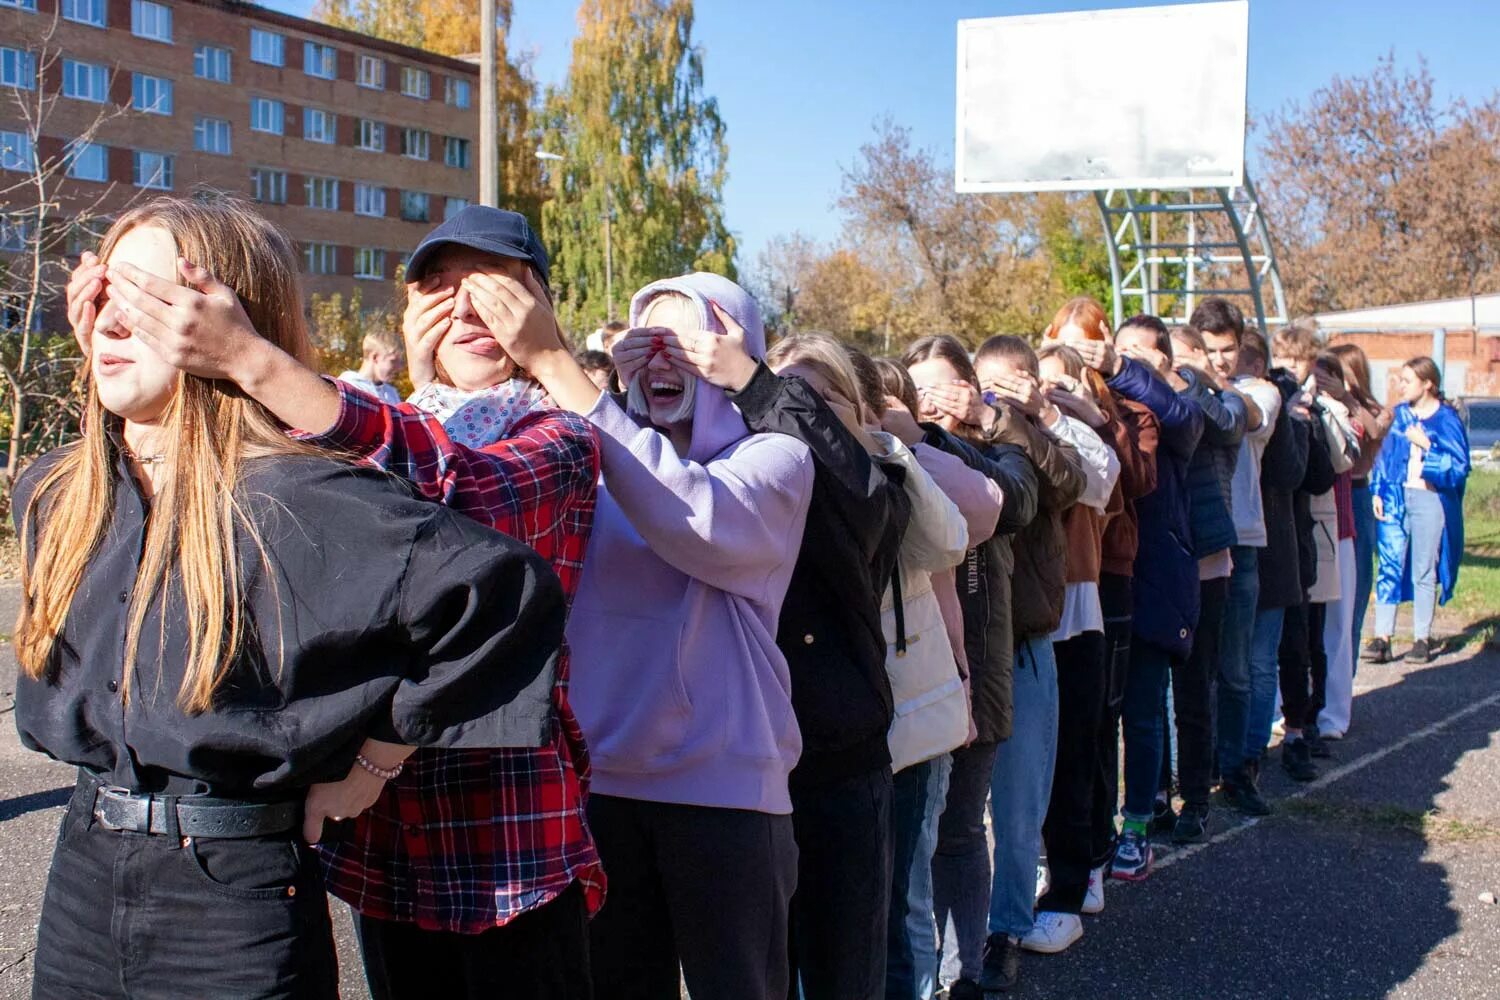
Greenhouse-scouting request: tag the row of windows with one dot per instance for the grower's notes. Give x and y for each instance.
(269, 186)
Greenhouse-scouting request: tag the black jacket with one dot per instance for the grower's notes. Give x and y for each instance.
(830, 629)
(984, 580)
(1283, 467)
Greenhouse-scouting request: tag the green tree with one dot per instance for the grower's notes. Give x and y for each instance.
(641, 144)
(451, 27)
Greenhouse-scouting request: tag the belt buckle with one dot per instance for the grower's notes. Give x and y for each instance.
(115, 793)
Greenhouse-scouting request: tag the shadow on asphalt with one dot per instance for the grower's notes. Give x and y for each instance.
(23, 804)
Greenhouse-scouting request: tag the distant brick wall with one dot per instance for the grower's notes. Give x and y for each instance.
(1472, 359)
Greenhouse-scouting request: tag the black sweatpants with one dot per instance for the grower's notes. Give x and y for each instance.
(842, 904)
(1192, 696)
(541, 955)
(1082, 676)
(705, 887)
(1303, 665)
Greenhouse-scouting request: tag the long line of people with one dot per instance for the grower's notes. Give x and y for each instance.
(711, 678)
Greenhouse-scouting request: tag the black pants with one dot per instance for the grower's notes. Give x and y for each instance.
(131, 915)
(708, 888)
(1192, 696)
(541, 955)
(1303, 665)
(843, 900)
(1068, 832)
(1115, 599)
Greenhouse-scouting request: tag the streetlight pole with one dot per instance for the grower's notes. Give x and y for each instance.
(489, 148)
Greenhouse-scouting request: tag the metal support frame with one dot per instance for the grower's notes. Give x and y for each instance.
(1243, 267)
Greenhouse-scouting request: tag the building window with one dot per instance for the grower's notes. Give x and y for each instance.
(456, 152)
(369, 135)
(268, 186)
(85, 236)
(153, 170)
(87, 161)
(267, 115)
(372, 72)
(456, 92)
(211, 135)
(321, 61)
(19, 4)
(318, 125)
(17, 69)
(14, 234)
(369, 263)
(369, 199)
(414, 206)
(414, 143)
(267, 47)
(151, 94)
(85, 81)
(211, 63)
(322, 258)
(15, 151)
(323, 192)
(84, 11)
(151, 20)
(453, 206)
(415, 82)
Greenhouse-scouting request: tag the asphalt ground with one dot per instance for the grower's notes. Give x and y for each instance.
(1365, 884)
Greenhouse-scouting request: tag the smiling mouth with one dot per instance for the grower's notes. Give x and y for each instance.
(664, 392)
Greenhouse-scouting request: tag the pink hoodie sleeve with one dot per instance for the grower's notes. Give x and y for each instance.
(976, 495)
(734, 523)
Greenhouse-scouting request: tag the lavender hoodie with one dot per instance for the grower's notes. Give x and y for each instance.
(676, 678)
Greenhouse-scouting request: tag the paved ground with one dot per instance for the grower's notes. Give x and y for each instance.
(1363, 885)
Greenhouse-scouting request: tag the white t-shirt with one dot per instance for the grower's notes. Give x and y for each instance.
(385, 392)
(1245, 503)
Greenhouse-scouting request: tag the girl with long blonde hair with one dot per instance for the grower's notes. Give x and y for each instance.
(233, 636)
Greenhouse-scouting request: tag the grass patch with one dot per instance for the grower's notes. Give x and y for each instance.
(1431, 825)
(1473, 616)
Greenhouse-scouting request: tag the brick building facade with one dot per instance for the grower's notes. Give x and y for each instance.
(356, 146)
(1391, 335)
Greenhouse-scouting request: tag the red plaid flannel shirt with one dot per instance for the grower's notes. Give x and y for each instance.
(466, 840)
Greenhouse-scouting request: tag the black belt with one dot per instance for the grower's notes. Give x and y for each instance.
(125, 811)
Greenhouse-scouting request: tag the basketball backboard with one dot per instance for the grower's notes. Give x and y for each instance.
(1143, 97)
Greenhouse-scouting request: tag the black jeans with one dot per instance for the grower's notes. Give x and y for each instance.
(842, 905)
(137, 915)
(708, 888)
(1115, 598)
(1068, 831)
(1303, 665)
(962, 866)
(542, 954)
(1192, 696)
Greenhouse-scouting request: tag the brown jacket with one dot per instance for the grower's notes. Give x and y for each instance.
(1134, 437)
(1041, 547)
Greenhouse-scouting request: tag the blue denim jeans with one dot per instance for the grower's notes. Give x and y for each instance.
(1364, 559)
(1232, 704)
(911, 942)
(1420, 542)
(1145, 690)
(1265, 679)
(1021, 787)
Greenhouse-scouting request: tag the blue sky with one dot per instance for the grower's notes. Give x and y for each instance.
(800, 82)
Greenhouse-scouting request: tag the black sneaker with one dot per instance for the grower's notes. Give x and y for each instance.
(964, 989)
(1316, 745)
(1419, 652)
(1296, 760)
(1241, 794)
(1378, 650)
(1192, 824)
(1002, 967)
(1163, 819)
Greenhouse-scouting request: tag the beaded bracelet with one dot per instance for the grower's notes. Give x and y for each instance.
(383, 773)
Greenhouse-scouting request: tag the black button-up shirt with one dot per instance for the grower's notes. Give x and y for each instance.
(375, 614)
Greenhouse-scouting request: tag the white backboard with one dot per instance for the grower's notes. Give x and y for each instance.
(1143, 97)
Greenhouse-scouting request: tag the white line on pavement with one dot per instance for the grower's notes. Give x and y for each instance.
(1337, 773)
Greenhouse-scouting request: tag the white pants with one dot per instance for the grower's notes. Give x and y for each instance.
(1338, 643)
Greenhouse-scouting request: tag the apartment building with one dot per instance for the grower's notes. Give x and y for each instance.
(355, 145)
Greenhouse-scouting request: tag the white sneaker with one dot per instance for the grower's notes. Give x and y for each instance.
(1043, 880)
(1053, 932)
(1093, 899)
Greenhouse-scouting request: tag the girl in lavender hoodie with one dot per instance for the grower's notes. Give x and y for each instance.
(683, 696)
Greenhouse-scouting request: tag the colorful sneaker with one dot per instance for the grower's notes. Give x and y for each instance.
(1093, 898)
(1053, 932)
(1132, 857)
(1002, 965)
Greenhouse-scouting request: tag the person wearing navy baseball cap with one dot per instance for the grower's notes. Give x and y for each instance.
(473, 870)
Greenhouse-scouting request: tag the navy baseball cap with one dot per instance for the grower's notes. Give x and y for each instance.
(491, 230)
